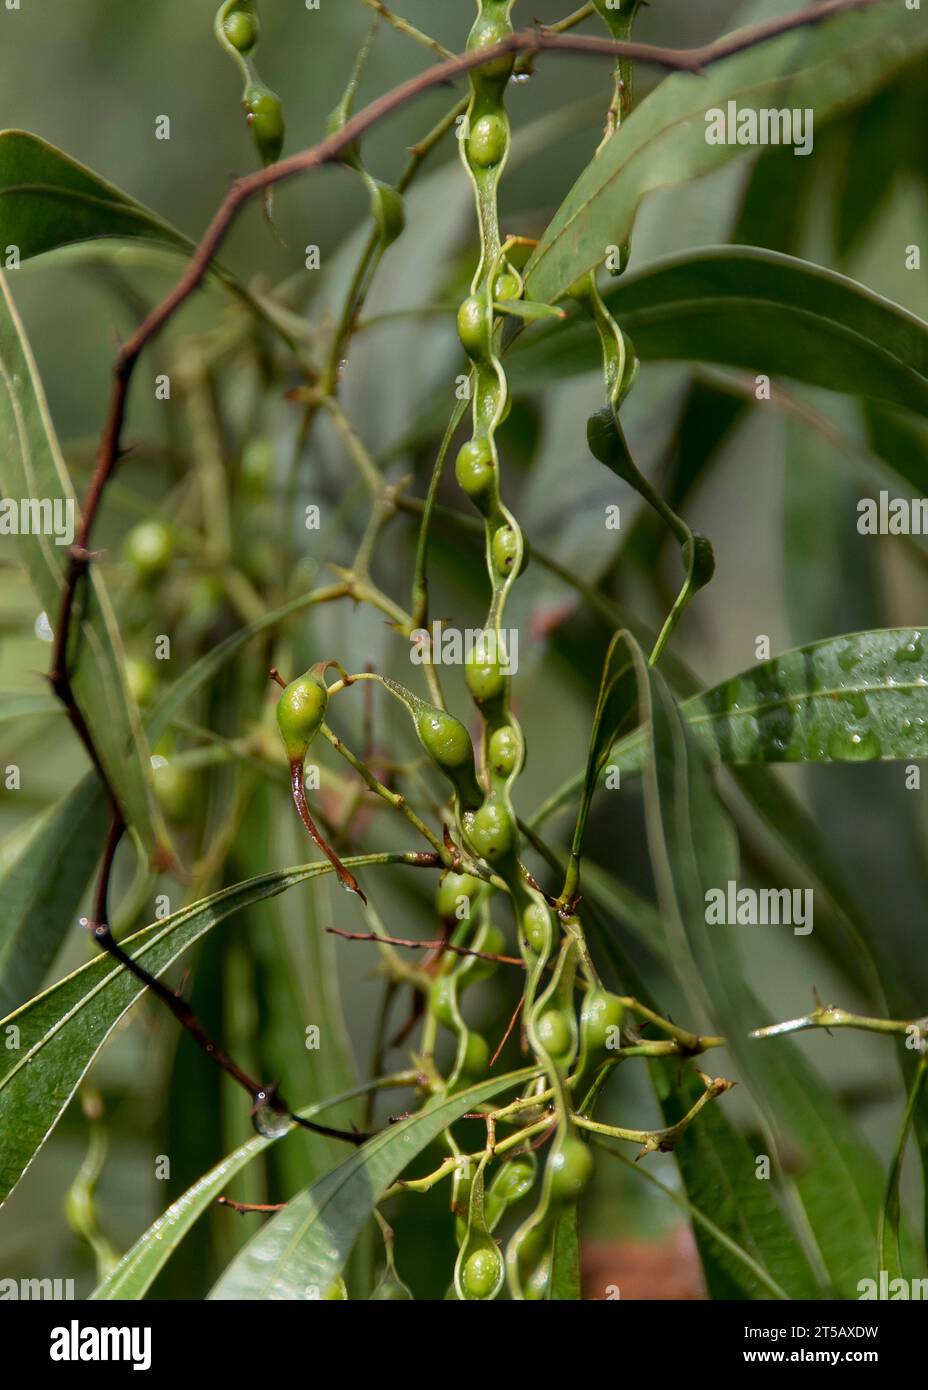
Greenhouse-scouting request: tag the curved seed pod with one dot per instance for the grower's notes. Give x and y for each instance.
(479, 1269)
(513, 1181)
(607, 444)
(301, 712)
(237, 28)
(530, 1253)
(446, 741)
(387, 207)
(552, 1024)
(601, 1017)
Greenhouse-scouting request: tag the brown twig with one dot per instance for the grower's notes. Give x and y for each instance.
(426, 946)
(243, 1207)
(242, 190)
(505, 1038)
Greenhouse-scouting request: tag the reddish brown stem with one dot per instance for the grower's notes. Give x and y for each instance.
(438, 946)
(345, 876)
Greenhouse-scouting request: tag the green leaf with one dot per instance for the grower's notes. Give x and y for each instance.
(889, 1241)
(31, 467)
(305, 1246)
(755, 309)
(719, 1174)
(565, 1266)
(829, 68)
(141, 1264)
(62, 1030)
(747, 1246)
(693, 849)
(848, 699)
(42, 888)
(48, 199)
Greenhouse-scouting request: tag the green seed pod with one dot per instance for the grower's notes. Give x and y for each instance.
(514, 1180)
(474, 328)
(482, 1274)
(492, 831)
(389, 212)
(175, 790)
(448, 744)
(536, 928)
(443, 1000)
(454, 896)
(703, 560)
(301, 712)
(493, 942)
(507, 286)
(149, 548)
(475, 470)
(489, 140)
(142, 680)
(475, 1059)
(264, 114)
(485, 680)
(568, 1170)
(240, 28)
(505, 751)
(555, 1035)
(504, 549)
(487, 33)
(601, 1018)
(391, 1288)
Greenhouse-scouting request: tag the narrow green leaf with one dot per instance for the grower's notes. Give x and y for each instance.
(888, 1234)
(61, 1031)
(829, 68)
(304, 1247)
(140, 1266)
(32, 469)
(743, 306)
(747, 1246)
(48, 199)
(565, 1266)
(42, 888)
(693, 850)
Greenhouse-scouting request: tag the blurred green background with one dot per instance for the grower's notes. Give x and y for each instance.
(779, 506)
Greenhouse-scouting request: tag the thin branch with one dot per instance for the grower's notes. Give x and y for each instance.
(438, 946)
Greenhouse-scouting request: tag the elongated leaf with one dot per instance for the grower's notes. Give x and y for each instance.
(836, 1176)
(140, 1266)
(32, 468)
(829, 68)
(848, 699)
(61, 1031)
(761, 1255)
(303, 1248)
(48, 199)
(565, 1265)
(37, 906)
(743, 306)
(41, 890)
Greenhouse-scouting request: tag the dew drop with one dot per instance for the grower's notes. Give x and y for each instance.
(911, 650)
(43, 628)
(267, 1119)
(853, 747)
